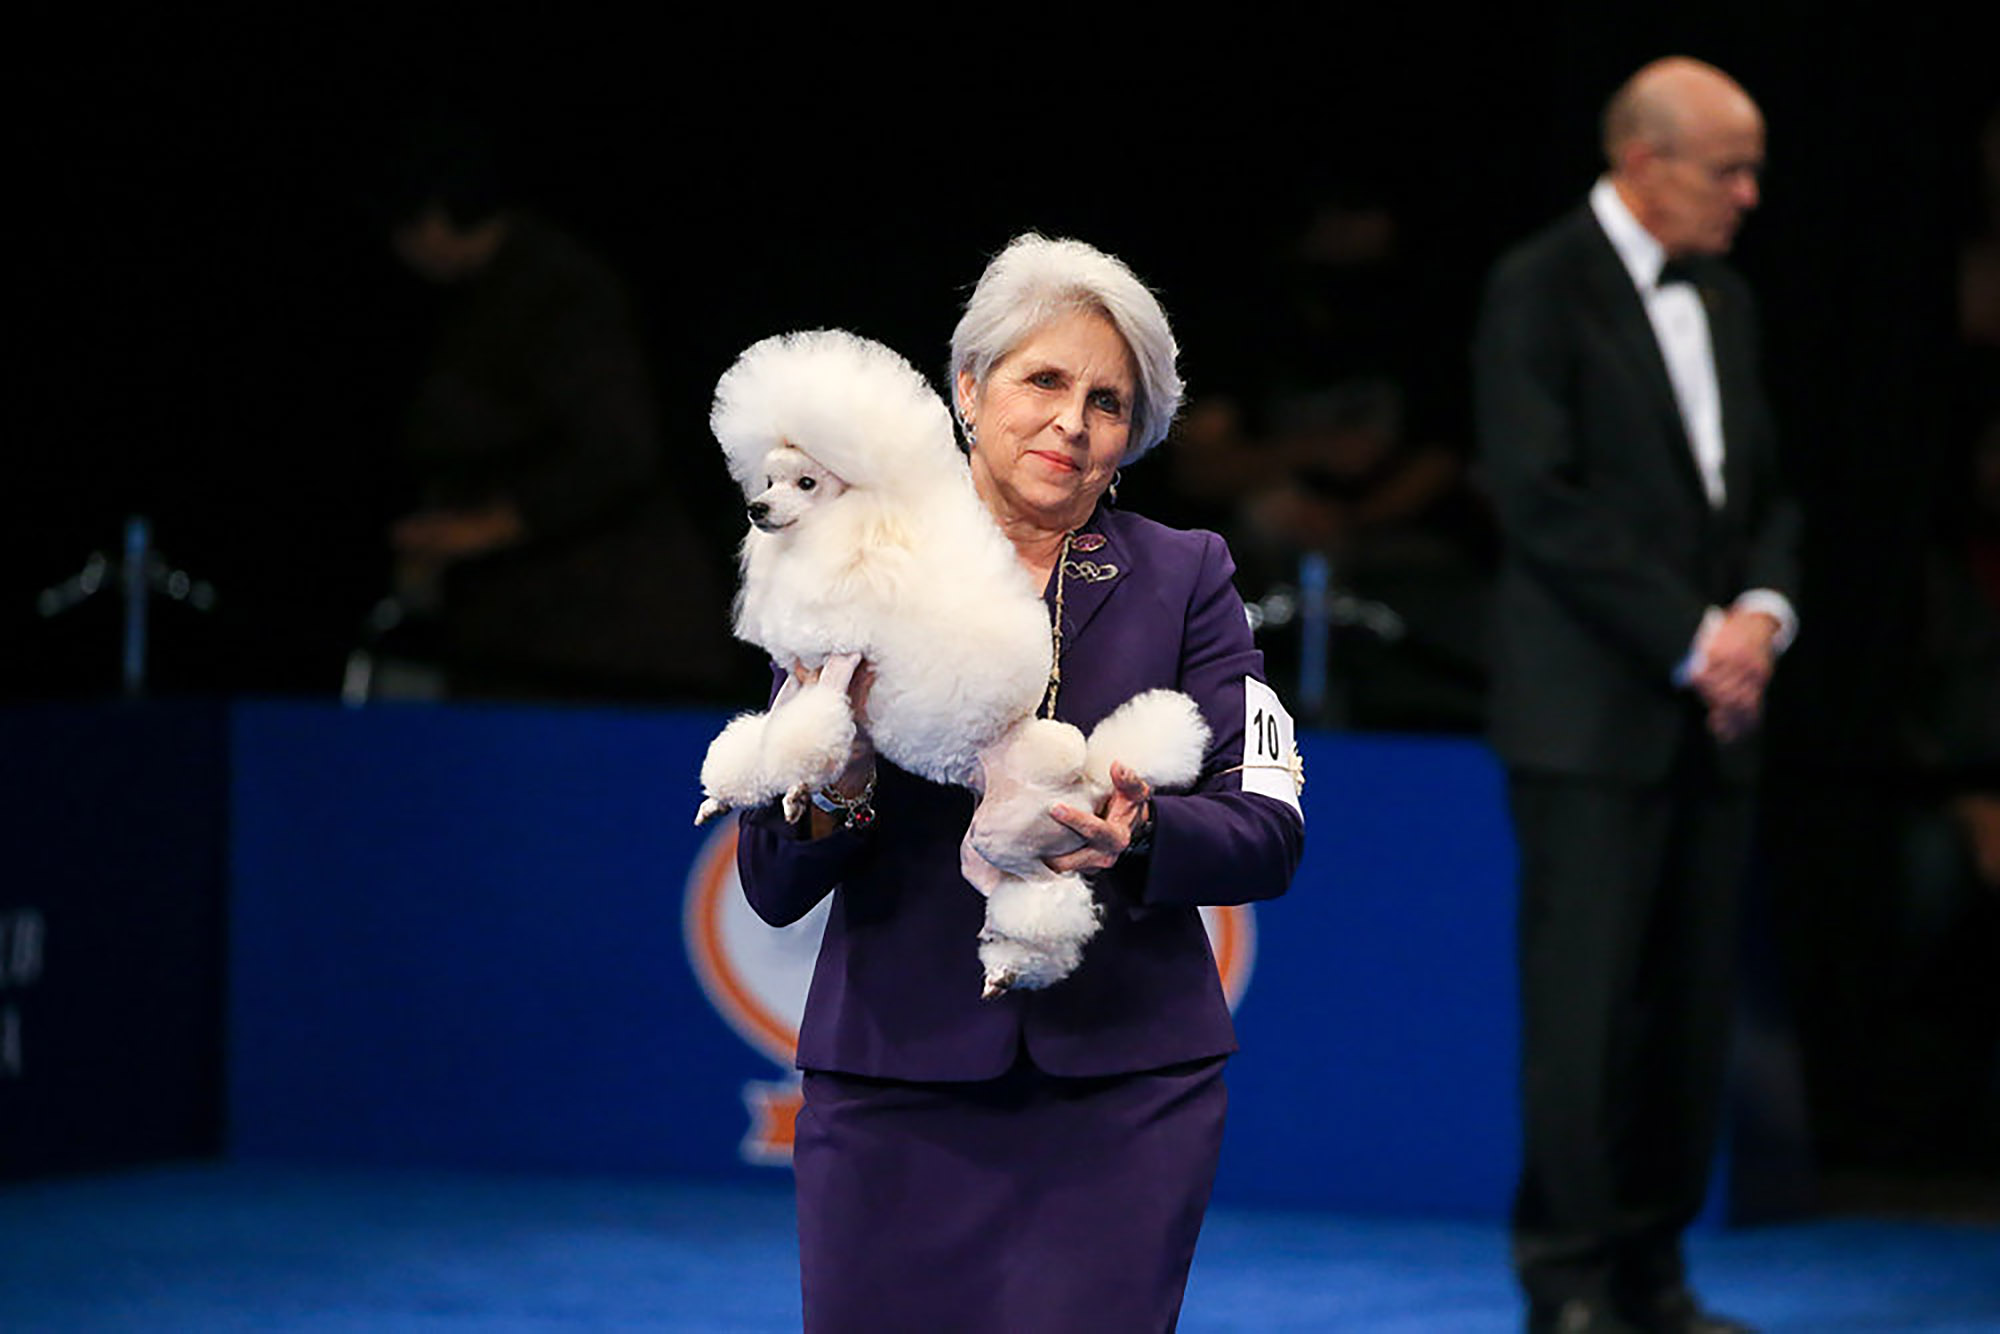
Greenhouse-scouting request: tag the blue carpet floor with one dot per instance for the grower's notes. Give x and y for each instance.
(230, 1248)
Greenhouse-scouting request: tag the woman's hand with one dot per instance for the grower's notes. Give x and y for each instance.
(1106, 835)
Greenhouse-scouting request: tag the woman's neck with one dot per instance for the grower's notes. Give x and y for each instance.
(1037, 540)
(1039, 561)
(1038, 552)
(1037, 546)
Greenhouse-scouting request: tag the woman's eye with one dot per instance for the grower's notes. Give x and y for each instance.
(808, 483)
(1045, 380)
(1104, 400)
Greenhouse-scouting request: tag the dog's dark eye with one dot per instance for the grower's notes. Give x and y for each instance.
(808, 483)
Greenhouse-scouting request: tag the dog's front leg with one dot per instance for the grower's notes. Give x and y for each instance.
(732, 772)
(827, 696)
(981, 874)
(789, 688)
(838, 671)
(811, 739)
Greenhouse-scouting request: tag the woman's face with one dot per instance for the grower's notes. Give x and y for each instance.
(1052, 422)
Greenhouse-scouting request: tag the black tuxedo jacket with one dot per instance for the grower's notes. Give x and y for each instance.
(1611, 551)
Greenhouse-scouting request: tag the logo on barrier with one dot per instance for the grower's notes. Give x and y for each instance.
(756, 977)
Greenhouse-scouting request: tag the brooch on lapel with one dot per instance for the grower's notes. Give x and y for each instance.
(1090, 571)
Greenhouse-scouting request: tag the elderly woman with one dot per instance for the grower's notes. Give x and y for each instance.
(1040, 1161)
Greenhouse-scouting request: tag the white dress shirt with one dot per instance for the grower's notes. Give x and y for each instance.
(1680, 326)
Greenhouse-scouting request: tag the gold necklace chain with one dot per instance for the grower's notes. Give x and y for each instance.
(1055, 633)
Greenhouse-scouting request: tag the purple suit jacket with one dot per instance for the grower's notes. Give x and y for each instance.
(895, 994)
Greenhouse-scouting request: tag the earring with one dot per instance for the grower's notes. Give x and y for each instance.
(1112, 490)
(971, 434)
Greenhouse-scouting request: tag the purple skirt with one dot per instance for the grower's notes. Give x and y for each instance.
(1027, 1202)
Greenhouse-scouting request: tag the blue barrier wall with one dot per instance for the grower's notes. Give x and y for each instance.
(112, 885)
(1379, 1029)
(458, 939)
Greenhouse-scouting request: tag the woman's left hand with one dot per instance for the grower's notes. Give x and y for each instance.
(1106, 836)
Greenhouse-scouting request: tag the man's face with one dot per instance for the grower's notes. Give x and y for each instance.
(1697, 189)
(430, 246)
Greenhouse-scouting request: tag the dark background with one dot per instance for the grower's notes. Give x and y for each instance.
(211, 330)
(216, 335)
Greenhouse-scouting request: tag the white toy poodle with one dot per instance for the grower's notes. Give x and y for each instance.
(867, 542)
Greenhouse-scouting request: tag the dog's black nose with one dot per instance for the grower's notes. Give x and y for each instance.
(758, 509)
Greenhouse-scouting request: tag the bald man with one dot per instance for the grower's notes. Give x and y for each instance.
(1645, 593)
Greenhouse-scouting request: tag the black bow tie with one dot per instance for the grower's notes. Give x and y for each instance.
(1675, 271)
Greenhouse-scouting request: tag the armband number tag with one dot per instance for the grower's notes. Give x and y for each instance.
(1271, 765)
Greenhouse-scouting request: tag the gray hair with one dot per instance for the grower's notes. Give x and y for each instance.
(1035, 281)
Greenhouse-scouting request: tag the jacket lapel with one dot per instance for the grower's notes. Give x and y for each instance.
(1624, 312)
(1098, 564)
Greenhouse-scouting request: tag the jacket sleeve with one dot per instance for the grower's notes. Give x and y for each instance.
(784, 873)
(1776, 524)
(1575, 546)
(1219, 844)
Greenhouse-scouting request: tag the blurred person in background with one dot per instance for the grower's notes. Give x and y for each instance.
(548, 554)
(1326, 434)
(1930, 1102)
(1648, 574)
(1934, 1020)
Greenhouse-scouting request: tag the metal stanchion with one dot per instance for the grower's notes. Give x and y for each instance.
(140, 573)
(133, 583)
(1315, 573)
(1323, 611)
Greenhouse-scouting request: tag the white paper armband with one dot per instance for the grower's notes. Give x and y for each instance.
(1271, 763)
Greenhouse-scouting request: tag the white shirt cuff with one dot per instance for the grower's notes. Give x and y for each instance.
(1778, 607)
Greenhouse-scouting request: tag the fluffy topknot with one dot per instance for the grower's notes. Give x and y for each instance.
(859, 409)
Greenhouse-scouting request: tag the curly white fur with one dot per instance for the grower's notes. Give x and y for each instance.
(1036, 920)
(886, 554)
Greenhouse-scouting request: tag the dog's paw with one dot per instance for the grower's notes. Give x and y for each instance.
(709, 810)
(796, 798)
(1007, 965)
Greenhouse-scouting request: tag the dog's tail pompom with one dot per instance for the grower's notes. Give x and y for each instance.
(1160, 735)
(732, 771)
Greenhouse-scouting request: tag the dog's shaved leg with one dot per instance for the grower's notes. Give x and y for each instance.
(981, 874)
(709, 810)
(839, 671)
